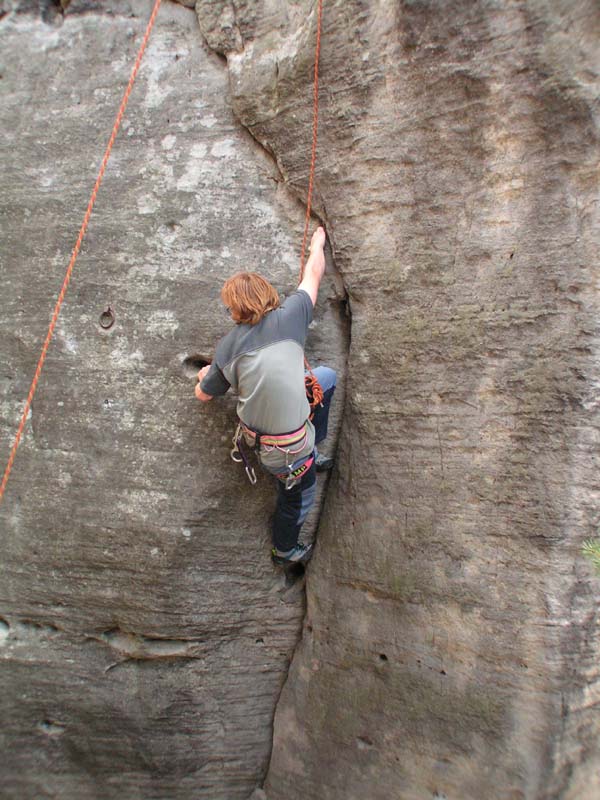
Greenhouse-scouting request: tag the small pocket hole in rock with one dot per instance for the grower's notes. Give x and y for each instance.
(364, 743)
(193, 364)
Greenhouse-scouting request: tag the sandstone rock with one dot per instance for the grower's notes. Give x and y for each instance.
(450, 646)
(451, 642)
(258, 794)
(144, 633)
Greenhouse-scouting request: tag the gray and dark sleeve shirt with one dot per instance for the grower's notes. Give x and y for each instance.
(264, 365)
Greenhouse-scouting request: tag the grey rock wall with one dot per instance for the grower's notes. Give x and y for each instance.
(450, 644)
(144, 634)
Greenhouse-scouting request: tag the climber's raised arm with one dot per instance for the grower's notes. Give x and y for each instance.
(315, 266)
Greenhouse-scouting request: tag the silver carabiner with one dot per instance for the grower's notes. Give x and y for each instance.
(235, 451)
(239, 458)
(290, 482)
(236, 456)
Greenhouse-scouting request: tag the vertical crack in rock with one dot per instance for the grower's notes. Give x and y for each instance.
(228, 35)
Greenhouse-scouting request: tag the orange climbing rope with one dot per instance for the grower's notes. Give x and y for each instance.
(76, 249)
(313, 387)
(313, 157)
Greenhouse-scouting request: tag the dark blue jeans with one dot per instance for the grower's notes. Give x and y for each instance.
(294, 504)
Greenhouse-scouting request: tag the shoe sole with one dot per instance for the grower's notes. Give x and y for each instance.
(282, 562)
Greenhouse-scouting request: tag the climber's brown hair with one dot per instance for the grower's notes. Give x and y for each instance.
(249, 297)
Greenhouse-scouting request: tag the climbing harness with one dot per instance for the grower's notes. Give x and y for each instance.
(282, 441)
(291, 444)
(76, 249)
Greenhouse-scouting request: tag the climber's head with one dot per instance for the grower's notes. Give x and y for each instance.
(249, 297)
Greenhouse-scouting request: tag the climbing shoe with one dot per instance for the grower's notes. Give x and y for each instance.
(297, 555)
(323, 463)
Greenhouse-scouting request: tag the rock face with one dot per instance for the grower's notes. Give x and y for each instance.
(450, 644)
(145, 635)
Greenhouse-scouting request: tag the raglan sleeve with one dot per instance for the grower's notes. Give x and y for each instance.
(298, 311)
(214, 382)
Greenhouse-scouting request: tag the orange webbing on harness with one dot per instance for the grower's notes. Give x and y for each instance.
(314, 391)
(76, 249)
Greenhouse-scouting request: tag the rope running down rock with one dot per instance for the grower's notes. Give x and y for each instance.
(76, 249)
(313, 388)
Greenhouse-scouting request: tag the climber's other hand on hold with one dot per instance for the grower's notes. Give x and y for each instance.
(202, 395)
(198, 391)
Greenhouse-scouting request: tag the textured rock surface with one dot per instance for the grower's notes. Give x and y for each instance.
(451, 642)
(145, 635)
(450, 647)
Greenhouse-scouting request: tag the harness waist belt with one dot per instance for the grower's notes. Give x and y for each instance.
(276, 440)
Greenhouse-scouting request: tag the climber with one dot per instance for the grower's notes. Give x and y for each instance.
(262, 360)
